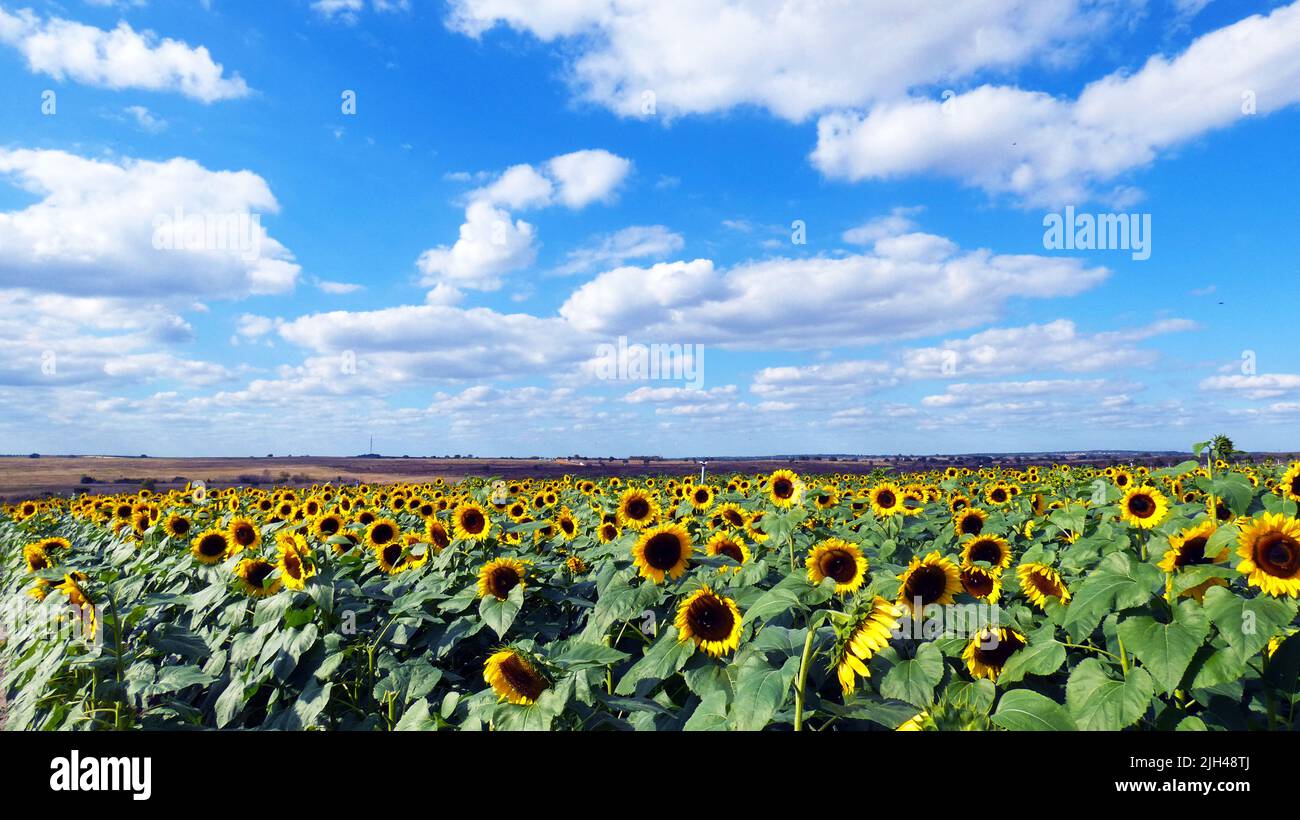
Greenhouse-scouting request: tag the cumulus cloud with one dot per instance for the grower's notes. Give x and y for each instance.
(634, 242)
(117, 59)
(1048, 150)
(678, 57)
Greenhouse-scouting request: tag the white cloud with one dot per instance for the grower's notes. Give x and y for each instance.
(794, 59)
(899, 221)
(1012, 394)
(93, 230)
(117, 59)
(1035, 348)
(146, 119)
(635, 242)
(588, 176)
(823, 380)
(1261, 386)
(1051, 151)
(337, 288)
(917, 285)
(491, 244)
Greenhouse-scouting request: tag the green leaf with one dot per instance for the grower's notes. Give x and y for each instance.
(661, 660)
(417, 719)
(1098, 702)
(760, 692)
(1191, 724)
(1247, 624)
(710, 715)
(1043, 656)
(588, 656)
(1166, 649)
(914, 680)
(1024, 710)
(1117, 583)
(499, 614)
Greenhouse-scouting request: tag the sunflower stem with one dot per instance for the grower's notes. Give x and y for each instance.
(804, 663)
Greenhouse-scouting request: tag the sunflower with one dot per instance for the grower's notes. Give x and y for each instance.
(981, 583)
(497, 578)
(437, 535)
(514, 678)
(575, 565)
(1040, 582)
(1144, 507)
(255, 579)
(382, 532)
(295, 565)
(177, 526)
(990, 650)
(840, 561)
(928, 581)
(36, 558)
(391, 557)
(784, 489)
(637, 509)
(702, 497)
(711, 620)
(991, 549)
(886, 500)
(868, 632)
(54, 544)
(998, 494)
(732, 546)
(607, 532)
(1289, 484)
(662, 550)
(327, 526)
(211, 546)
(243, 534)
(1269, 547)
(970, 521)
(567, 524)
(731, 514)
(470, 521)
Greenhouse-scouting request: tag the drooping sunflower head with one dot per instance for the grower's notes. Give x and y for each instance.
(662, 551)
(990, 649)
(1269, 547)
(514, 677)
(981, 583)
(437, 534)
(784, 488)
(886, 499)
(730, 545)
(211, 546)
(255, 577)
(295, 567)
(1144, 507)
(382, 532)
(470, 521)
(637, 509)
(498, 577)
(36, 558)
(990, 549)
(840, 561)
(932, 580)
(1040, 582)
(711, 620)
(867, 631)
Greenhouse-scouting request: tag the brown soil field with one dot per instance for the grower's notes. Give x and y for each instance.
(22, 477)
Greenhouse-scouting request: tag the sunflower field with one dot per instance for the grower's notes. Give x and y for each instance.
(1045, 598)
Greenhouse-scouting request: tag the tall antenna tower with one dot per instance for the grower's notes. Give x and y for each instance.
(371, 451)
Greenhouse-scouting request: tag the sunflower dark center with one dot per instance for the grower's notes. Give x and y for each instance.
(733, 518)
(783, 488)
(382, 534)
(638, 508)
(292, 564)
(258, 572)
(701, 496)
(608, 532)
(439, 536)
(732, 551)
(502, 580)
(998, 654)
(568, 526)
(212, 545)
(1295, 485)
(521, 678)
(244, 535)
(180, 526)
(986, 550)
(999, 495)
(886, 499)
(472, 521)
(392, 554)
(663, 551)
(710, 618)
(1142, 506)
(927, 583)
(840, 565)
(978, 584)
(1193, 552)
(1278, 555)
(972, 525)
(329, 526)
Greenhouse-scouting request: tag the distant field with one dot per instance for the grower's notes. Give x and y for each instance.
(22, 477)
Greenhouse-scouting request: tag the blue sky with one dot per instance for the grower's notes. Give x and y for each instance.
(524, 182)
